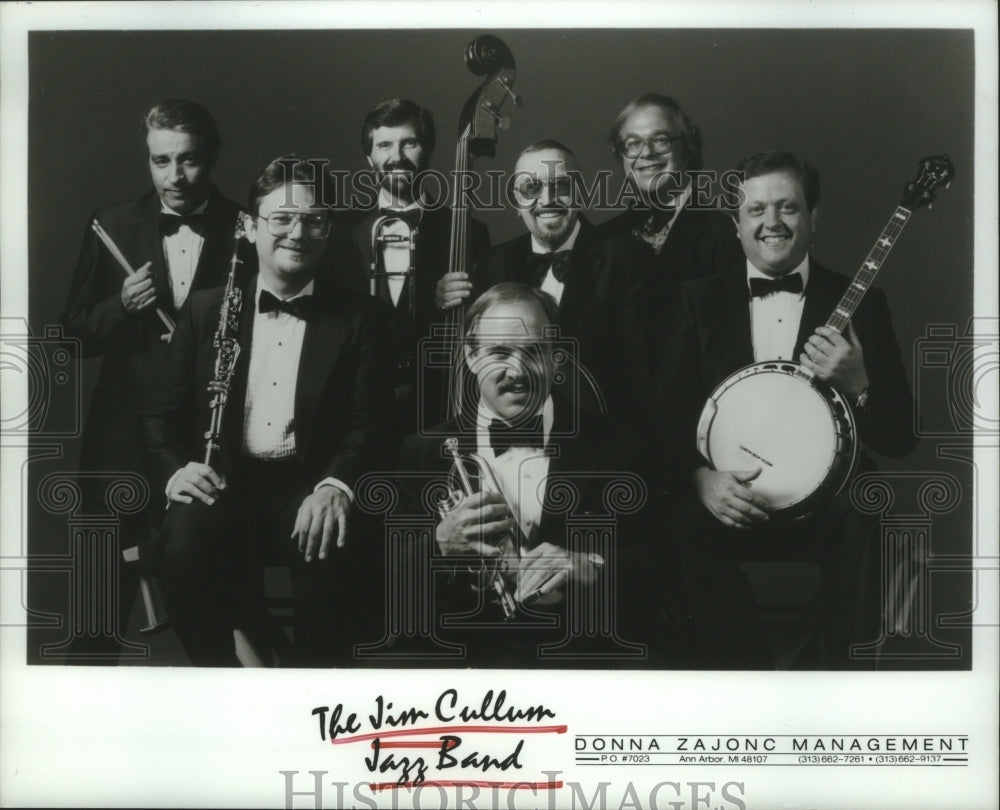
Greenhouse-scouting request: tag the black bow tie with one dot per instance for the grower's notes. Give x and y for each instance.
(760, 287)
(171, 223)
(527, 434)
(411, 215)
(303, 307)
(558, 262)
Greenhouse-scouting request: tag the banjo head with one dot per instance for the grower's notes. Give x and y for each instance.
(799, 434)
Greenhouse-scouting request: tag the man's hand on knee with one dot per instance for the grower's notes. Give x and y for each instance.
(322, 515)
(195, 480)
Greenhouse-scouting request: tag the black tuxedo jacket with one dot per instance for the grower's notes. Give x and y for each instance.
(350, 266)
(586, 463)
(709, 338)
(131, 344)
(341, 393)
(597, 309)
(700, 243)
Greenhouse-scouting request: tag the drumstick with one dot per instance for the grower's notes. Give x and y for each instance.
(113, 249)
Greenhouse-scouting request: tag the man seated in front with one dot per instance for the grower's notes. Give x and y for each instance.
(539, 451)
(307, 414)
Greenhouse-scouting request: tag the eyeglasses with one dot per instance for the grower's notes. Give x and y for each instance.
(281, 223)
(659, 144)
(531, 187)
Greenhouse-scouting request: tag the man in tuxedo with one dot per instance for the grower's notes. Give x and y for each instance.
(398, 141)
(774, 306)
(539, 448)
(657, 144)
(306, 416)
(588, 275)
(178, 237)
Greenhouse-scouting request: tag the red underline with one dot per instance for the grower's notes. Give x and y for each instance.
(449, 783)
(410, 744)
(409, 732)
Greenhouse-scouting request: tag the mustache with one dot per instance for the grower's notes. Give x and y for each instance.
(395, 165)
(530, 375)
(509, 383)
(552, 206)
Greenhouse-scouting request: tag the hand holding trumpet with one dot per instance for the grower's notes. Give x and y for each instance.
(475, 526)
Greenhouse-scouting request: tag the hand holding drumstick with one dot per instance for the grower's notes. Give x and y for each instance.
(138, 293)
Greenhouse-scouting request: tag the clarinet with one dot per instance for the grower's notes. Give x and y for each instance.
(227, 349)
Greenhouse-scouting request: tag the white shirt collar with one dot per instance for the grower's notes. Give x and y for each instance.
(485, 415)
(170, 212)
(263, 285)
(802, 269)
(538, 247)
(385, 200)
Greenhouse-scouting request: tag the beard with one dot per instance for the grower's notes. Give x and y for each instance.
(552, 232)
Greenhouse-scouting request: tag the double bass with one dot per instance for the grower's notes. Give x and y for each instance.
(485, 56)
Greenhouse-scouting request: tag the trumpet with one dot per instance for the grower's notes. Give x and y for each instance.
(379, 239)
(491, 570)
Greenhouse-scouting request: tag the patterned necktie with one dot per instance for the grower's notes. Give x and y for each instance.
(762, 287)
(171, 223)
(303, 307)
(558, 262)
(527, 434)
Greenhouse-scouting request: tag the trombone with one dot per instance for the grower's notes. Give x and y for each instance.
(379, 240)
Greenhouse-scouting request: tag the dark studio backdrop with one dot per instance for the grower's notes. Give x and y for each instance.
(863, 106)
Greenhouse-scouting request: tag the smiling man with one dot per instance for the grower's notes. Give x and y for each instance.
(657, 144)
(178, 237)
(774, 306)
(537, 449)
(587, 274)
(398, 139)
(307, 415)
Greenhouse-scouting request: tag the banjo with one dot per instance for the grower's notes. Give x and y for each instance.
(775, 415)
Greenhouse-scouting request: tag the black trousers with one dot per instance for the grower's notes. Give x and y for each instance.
(730, 634)
(211, 561)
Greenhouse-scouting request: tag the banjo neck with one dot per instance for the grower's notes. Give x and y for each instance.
(935, 171)
(863, 279)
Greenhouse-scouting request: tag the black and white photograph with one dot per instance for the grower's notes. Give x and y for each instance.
(597, 403)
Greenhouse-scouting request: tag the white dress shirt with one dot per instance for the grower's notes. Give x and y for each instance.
(182, 250)
(550, 284)
(775, 318)
(395, 255)
(269, 407)
(521, 472)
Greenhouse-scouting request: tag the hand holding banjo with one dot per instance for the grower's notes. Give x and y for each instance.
(784, 418)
